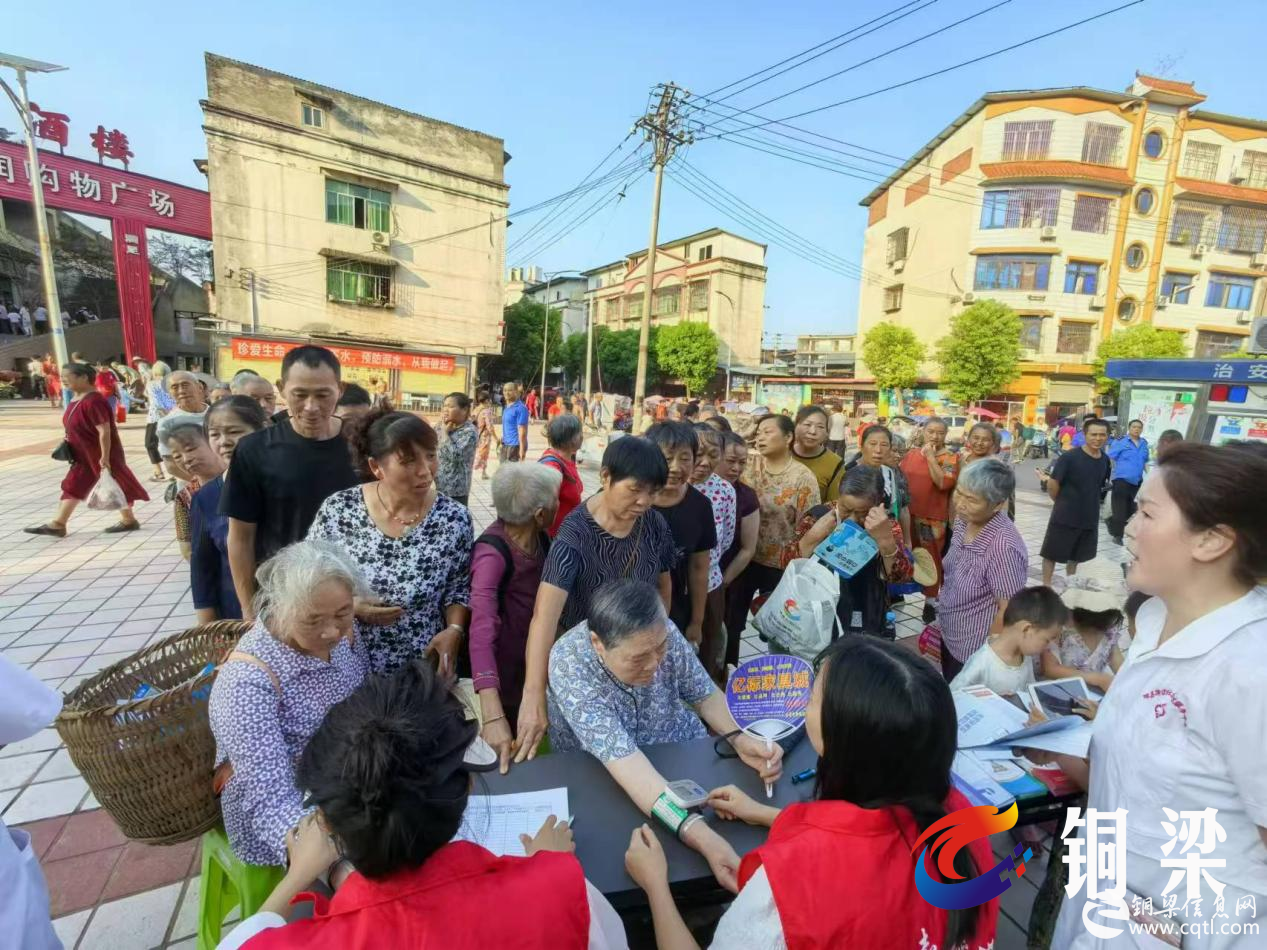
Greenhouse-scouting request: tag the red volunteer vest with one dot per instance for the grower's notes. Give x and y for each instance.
(463, 897)
(844, 876)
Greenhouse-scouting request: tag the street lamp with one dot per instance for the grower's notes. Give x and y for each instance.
(730, 344)
(20, 101)
(545, 330)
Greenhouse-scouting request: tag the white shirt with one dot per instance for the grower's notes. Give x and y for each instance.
(1183, 727)
(836, 430)
(986, 668)
(752, 920)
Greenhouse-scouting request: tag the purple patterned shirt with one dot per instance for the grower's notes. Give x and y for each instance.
(976, 576)
(721, 494)
(262, 729)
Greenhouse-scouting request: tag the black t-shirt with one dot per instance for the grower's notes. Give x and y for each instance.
(278, 480)
(693, 529)
(1081, 478)
(746, 503)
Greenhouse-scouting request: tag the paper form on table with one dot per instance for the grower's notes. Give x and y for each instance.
(496, 821)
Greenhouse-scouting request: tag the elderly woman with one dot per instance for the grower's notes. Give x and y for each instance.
(565, 436)
(810, 449)
(987, 563)
(931, 471)
(158, 403)
(626, 678)
(981, 442)
(876, 453)
(301, 657)
(722, 496)
(506, 566)
(614, 534)
(413, 543)
(864, 598)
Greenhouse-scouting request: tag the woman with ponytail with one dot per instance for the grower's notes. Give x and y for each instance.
(388, 774)
(838, 871)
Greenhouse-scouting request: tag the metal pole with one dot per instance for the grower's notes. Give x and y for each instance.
(51, 301)
(589, 351)
(545, 344)
(730, 344)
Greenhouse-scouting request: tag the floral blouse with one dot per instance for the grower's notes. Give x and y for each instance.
(424, 571)
(784, 499)
(1071, 650)
(456, 459)
(721, 494)
(262, 724)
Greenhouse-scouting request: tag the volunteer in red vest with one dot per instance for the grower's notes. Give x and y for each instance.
(389, 772)
(838, 871)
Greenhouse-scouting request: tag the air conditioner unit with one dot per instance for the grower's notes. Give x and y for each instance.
(1243, 318)
(1199, 250)
(1047, 234)
(1163, 302)
(381, 240)
(1098, 302)
(1258, 260)
(1104, 400)
(899, 265)
(970, 297)
(1257, 342)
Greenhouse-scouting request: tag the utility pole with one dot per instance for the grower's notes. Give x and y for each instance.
(663, 128)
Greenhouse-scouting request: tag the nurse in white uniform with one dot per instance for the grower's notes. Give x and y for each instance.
(1184, 725)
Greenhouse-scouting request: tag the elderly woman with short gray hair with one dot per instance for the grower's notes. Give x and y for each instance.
(506, 564)
(565, 436)
(987, 562)
(626, 678)
(300, 658)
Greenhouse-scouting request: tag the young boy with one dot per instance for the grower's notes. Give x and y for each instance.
(1033, 619)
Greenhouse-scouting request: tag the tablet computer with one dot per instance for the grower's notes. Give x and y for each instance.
(1056, 697)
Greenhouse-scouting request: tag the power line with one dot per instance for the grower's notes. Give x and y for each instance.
(940, 72)
(614, 195)
(622, 169)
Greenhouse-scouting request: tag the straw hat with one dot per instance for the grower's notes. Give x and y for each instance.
(924, 568)
(1085, 598)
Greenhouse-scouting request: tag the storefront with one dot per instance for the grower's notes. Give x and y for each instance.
(412, 379)
(1208, 401)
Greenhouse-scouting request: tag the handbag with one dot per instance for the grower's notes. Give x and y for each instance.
(64, 452)
(800, 615)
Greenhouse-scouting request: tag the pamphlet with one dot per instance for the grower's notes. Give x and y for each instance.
(848, 549)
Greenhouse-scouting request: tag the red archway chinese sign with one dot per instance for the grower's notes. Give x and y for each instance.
(132, 202)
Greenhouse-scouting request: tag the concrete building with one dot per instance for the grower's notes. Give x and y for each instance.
(342, 219)
(1086, 211)
(714, 277)
(826, 354)
(564, 293)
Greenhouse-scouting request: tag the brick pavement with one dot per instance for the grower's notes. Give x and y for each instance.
(69, 607)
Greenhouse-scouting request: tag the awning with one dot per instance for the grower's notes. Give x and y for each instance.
(1066, 391)
(369, 257)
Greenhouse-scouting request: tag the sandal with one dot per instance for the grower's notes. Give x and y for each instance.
(120, 526)
(53, 531)
(158, 478)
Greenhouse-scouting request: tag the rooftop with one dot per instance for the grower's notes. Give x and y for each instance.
(665, 245)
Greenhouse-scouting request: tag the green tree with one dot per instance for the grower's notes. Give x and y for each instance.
(1140, 342)
(981, 353)
(616, 360)
(893, 355)
(521, 351)
(572, 356)
(689, 352)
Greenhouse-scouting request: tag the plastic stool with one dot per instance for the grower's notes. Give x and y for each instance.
(228, 883)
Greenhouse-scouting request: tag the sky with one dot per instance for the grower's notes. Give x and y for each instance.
(562, 84)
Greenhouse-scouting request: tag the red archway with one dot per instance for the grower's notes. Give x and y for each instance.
(132, 203)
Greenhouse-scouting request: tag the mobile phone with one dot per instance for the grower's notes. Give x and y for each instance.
(1057, 697)
(687, 793)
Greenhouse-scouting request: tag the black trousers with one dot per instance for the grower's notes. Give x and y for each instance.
(950, 667)
(755, 579)
(1123, 502)
(151, 443)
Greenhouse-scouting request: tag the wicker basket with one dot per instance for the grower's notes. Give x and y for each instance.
(150, 761)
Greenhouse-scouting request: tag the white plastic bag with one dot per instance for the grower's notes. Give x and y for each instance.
(106, 494)
(801, 613)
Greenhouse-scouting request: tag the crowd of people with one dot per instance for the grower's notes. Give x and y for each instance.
(339, 528)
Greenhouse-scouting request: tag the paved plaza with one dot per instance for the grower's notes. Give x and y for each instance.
(70, 607)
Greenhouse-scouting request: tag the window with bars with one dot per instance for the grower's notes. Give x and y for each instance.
(1026, 141)
(1012, 272)
(1100, 143)
(1242, 229)
(1254, 169)
(1020, 208)
(895, 249)
(1201, 160)
(1177, 287)
(358, 206)
(1211, 345)
(893, 298)
(1230, 290)
(667, 302)
(633, 307)
(1074, 338)
(1031, 333)
(359, 282)
(699, 295)
(1187, 225)
(1081, 277)
(1091, 213)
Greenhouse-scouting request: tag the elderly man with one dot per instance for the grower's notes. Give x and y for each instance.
(190, 394)
(514, 425)
(627, 678)
(247, 382)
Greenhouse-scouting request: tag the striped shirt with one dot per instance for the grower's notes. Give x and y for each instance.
(993, 567)
(584, 557)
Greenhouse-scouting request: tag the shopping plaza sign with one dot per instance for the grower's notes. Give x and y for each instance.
(131, 202)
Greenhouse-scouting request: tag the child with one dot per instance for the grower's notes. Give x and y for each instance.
(1092, 646)
(1032, 619)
